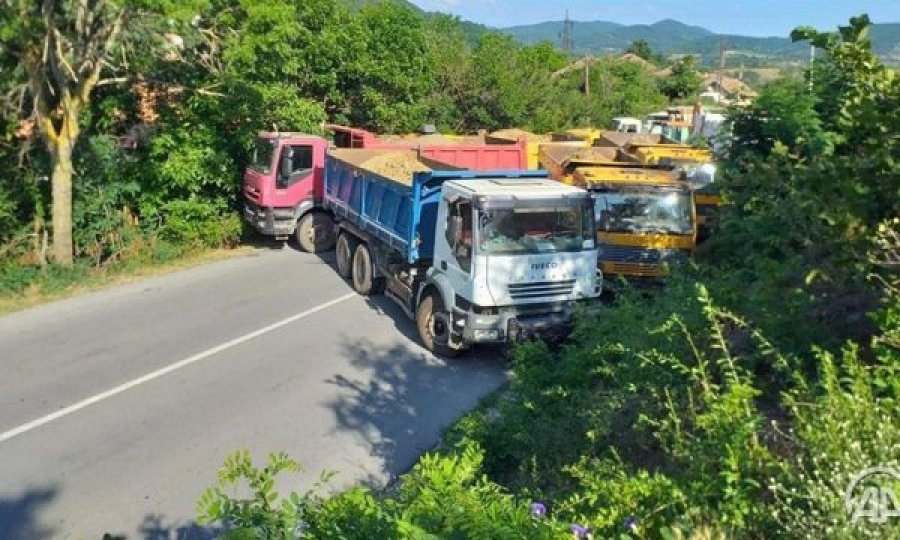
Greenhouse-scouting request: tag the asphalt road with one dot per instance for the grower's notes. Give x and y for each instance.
(118, 407)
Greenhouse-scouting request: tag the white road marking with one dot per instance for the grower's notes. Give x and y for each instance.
(24, 428)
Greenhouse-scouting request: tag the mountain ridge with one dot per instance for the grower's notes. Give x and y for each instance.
(669, 36)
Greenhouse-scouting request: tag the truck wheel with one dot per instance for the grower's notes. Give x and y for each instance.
(315, 232)
(433, 324)
(344, 248)
(363, 272)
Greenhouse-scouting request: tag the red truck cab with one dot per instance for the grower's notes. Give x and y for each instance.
(283, 187)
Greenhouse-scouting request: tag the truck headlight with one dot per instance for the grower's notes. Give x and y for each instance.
(486, 334)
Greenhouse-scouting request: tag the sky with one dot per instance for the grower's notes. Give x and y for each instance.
(740, 17)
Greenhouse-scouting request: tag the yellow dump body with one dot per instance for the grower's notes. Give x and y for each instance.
(587, 136)
(652, 153)
(625, 246)
(561, 159)
(617, 139)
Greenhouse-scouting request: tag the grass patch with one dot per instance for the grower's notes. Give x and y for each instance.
(58, 283)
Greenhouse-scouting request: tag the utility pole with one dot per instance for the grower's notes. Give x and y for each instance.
(587, 74)
(812, 63)
(566, 34)
(723, 50)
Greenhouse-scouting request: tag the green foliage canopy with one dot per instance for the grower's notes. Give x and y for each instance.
(683, 82)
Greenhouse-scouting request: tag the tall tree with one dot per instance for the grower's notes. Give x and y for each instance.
(392, 78)
(63, 46)
(684, 81)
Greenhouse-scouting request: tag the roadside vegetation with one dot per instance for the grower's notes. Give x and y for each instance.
(737, 402)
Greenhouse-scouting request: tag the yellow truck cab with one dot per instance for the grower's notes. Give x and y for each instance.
(645, 218)
(700, 175)
(697, 167)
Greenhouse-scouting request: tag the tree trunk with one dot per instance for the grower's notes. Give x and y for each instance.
(61, 183)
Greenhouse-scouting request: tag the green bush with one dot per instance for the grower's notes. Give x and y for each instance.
(262, 514)
(198, 224)
(15, 277)
(840, 426)
(442, 497)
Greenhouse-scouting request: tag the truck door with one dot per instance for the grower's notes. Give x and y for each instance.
(294, 175)
(459, 237)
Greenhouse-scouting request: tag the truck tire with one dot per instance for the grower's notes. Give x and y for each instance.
(315, 232)
(362, 273)
(343, 251)
(433, 324)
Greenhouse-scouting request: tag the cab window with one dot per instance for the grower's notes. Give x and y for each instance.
(301, 157)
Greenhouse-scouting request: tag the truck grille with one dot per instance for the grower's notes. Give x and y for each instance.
(634, 269)
(613, 253)
(539, 289)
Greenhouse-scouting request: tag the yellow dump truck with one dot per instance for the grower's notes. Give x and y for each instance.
(646, 219)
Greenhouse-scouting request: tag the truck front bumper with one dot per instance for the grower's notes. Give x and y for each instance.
(511, 325)
(270, 221)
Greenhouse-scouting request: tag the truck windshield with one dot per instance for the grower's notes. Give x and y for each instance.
(262, 155)
(665, 212)
(535, 230)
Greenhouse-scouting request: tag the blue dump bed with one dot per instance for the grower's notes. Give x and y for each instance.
(393, 195)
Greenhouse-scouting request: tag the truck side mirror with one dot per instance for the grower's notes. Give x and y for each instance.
(455, 230)
(286, 166)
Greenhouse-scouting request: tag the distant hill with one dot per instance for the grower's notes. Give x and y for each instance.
(673, 37)
(667, 37)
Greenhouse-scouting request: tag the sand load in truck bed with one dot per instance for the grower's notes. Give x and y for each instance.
(563, 153)
(514, 134)
(396, 165)
(616, 139)
(416, 139)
